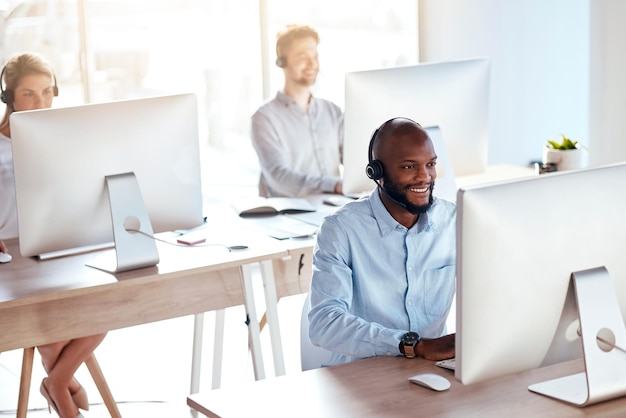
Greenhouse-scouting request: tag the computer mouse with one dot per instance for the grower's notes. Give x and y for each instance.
(237, 247)
(431, 381)
(5, 257)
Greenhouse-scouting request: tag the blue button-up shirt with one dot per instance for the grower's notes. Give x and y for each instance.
(374, 279)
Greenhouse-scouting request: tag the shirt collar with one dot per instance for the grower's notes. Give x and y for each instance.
(286, 100)
(387, 223)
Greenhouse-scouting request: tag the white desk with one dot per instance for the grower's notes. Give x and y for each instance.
(283, 276)
(59, 299)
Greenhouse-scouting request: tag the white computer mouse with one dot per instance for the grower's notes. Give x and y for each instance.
(5, 257)
(431, 381)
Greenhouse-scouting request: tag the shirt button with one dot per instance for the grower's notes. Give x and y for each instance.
(410, 303)
(388, 353)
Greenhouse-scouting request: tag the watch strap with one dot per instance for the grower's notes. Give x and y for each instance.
(408, 344)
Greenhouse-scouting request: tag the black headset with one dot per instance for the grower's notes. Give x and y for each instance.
(281, 62)
(7, 95)
(374, 168)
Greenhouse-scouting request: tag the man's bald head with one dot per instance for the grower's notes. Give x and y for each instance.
(394, 129)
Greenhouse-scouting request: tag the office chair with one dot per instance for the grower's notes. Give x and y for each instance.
(94, 370)
(311, 356)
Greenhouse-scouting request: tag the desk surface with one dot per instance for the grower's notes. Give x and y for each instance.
(57, 299)
(62, 298)
(379, 387)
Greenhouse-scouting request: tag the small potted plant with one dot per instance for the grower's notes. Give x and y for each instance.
(566, 154)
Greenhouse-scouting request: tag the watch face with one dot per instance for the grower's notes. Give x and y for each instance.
(410, 338)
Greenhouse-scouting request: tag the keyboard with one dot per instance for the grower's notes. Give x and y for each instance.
(449, 364)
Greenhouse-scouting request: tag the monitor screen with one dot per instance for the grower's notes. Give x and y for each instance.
(452, 95)
(518, 243)
(62, 156)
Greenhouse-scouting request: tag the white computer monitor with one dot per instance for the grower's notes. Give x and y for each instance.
(63, 158)
(518, 243)
(451, 95)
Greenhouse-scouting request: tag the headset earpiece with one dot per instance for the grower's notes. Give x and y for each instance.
(374, 168)
(5, 95)
(281, 62)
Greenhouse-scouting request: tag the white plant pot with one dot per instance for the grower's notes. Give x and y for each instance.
(565, 159)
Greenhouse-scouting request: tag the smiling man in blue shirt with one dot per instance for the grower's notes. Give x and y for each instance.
(384, 266)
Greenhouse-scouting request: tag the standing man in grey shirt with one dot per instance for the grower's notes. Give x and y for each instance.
(298, 137)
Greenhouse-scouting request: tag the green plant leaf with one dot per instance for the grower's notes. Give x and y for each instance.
(553, 144)
(566, 143)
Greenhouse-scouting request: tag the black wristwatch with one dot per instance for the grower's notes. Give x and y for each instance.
(408, 344)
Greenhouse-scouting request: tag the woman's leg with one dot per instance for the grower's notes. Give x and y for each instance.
(50, 354)
(61, 360)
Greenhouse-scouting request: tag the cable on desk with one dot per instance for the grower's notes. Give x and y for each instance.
(176, 244)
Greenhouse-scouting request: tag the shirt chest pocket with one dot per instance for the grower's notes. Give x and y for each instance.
(439, 285)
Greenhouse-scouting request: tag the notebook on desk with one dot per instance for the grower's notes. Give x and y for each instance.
(263, 206)
(311, 218)
(281, 227)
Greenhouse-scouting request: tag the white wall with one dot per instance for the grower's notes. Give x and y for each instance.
(608, 82)
(540, 66)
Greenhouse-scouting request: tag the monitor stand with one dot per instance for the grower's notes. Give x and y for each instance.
(133, 250)
(604, 339)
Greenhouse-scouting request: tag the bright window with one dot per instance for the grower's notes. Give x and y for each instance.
(223, 51)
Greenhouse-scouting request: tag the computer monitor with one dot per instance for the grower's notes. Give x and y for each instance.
(518, 243)
(451, 95)
(77, 168)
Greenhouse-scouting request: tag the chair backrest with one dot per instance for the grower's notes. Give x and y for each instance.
(311, 356)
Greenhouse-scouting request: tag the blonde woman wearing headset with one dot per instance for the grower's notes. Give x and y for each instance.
(28, 83)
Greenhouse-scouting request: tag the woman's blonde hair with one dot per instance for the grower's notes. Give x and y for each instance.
(17, 67)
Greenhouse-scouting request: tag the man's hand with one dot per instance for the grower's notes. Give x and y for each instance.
(441, 348)
(338, 188)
